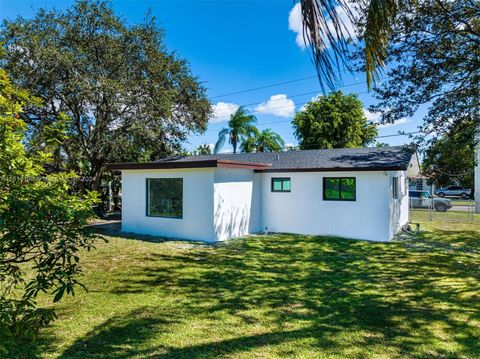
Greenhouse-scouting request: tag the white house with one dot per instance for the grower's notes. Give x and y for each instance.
(357, 193)
(421, 183)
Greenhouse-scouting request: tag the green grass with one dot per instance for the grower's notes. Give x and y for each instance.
(274, 296)
(452, 215)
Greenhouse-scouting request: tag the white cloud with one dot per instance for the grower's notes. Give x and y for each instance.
(396, 123)
(370, 115)
(222, 111)
(278, 105)
(375, 118)
(295, 24)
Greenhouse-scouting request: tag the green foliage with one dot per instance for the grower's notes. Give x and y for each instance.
(333, 121)
(240, 128)
(42, 226)
(451, 158)
(434, 65)
(264, 141)
(126, 97)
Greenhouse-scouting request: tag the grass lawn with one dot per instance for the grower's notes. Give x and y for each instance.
(274, 296)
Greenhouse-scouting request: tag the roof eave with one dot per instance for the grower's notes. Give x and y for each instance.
(186, 165)
(335, 169)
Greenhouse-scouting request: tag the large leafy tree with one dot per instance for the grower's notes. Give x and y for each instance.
(263, 141)
(42, 226)
(333, 121)
(451, 158)
(241, 127)
(127, 98)
(434, 64)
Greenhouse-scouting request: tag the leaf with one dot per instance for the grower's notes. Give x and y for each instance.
(59, 294)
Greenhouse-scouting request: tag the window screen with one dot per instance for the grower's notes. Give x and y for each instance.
(165, 197)
(339, 188)
(281, 185)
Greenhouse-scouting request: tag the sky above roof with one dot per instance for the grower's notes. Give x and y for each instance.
(235, 46)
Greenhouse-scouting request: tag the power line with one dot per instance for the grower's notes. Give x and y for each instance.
(292, 96)
(273, 85)
(265, 87)
(275, 108)
(400, 134)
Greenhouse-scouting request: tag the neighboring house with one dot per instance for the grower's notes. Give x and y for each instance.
(357, 193)
(421, 183)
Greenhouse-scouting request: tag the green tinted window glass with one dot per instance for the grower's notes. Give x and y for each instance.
(331, 188)
(348, 189)
(165, 197)
(277, 184)
(281, 185)
(339, 188)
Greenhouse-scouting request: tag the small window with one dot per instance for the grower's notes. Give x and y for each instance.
(281, 185)
(339, 188)
(165, 197)
(395, 189)
(419, 186)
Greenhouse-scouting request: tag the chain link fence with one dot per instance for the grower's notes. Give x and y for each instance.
(432, 208)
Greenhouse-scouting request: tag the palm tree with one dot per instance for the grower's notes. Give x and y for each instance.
(269, 141)
(240, 127)
(325, 27)
(265, 141)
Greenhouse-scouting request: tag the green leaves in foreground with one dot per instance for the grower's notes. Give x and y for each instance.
(42, 225)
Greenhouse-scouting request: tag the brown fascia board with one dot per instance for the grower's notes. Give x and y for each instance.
(187, 164)
(333, 169)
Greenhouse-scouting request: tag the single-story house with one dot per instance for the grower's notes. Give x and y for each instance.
(354, 192)
(421, 183)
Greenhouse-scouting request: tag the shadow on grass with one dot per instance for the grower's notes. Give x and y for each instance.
(119, 337)
(302, 294)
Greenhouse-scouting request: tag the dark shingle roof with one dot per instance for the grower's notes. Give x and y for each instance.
(371, 158)
(341, 159)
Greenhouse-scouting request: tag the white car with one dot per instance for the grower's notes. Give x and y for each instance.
(454, 191)
(424, 199)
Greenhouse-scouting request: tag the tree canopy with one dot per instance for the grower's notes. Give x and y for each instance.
(451, 158)
(333, 121)
(42, 226)
(126, 96)
(434, 64)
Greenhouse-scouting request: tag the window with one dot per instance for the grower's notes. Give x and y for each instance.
(281, 185)
(339, 188)
(165, 197)
(419, 186)
(395, 189)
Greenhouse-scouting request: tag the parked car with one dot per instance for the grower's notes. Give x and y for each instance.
(453, 191)
(424, 199)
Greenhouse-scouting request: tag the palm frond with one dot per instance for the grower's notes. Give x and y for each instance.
(380, 15)
(221, 140)
(325, 31)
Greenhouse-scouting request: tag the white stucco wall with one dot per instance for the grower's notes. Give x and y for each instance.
(197, 221)
(304, 211)
(223, 203)
(236, 203)
(399, 208)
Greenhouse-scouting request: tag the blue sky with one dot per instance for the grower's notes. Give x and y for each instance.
(234, 46)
